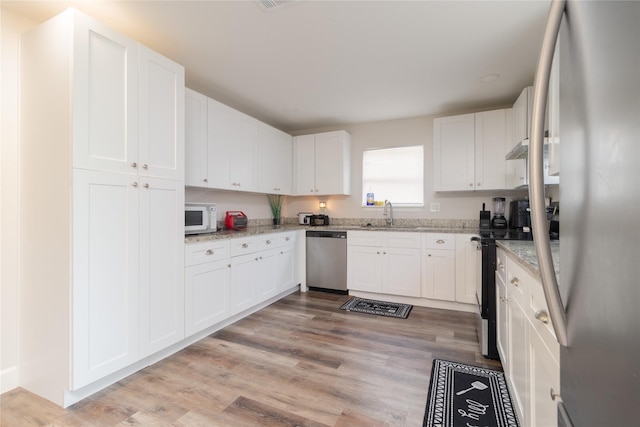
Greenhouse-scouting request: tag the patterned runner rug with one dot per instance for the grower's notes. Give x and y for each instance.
(381, 308)
(463, 395)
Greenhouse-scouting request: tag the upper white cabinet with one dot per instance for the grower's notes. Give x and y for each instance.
(522, 116)
(228, 150)
(195, 136)
(468, 151)
(275, 165)
(232, 148)
(322, 164)
(102, 141)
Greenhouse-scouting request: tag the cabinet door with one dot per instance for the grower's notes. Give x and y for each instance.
(105, 98)
(219, 125)
(364, 268)
(454, 153)
(161, 263)
(331, 157)
(285, 268)
(502, 325)
(521, 115)
(206, 295)
(274, 161)
(518, 341)
(305, 165)
(243, 153)
(195, 130)
(266, 275)
(490, 147)
(105, 275)
(545, 380)
(438, 275)
(467, 259)
(401, 271)
(161, 116)
(243, 277)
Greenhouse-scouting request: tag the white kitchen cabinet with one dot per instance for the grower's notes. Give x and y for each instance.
(195, 130)
(161, 116)
(468, 151)
(275, 163)
(110, 287)
(232, 150)
(384, 262)
(522, 109)
(439, 266)
(518, 173)
(161, 263)
(528, 348)
(322, 164)
(466, 259)
(207, 284)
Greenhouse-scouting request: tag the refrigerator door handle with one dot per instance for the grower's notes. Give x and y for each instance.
(536, 173)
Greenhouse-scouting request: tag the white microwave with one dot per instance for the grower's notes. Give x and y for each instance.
(200, 218)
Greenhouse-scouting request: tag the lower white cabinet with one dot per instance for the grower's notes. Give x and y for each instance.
(439, 267)
(207, 278)
(528, 349)
(467, 268)
(384, 262)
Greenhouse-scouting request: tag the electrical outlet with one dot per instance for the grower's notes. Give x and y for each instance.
(434, 207)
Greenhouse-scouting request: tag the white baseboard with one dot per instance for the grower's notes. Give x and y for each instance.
(8, 379)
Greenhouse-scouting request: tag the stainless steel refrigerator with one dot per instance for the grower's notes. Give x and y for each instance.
(596, 306)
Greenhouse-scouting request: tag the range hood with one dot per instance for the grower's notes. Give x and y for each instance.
(521, 150)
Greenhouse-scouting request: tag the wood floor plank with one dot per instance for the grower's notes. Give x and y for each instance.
(300, 361)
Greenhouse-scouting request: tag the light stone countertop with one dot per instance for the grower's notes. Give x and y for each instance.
(524, 252)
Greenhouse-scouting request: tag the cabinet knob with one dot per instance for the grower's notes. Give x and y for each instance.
(146, 185)
(245, 245)
(287, 238)
(428, 254)
(384, 253)
(209, 252)
(440, 241)
(134, 183)
(542, 316)
(276, 189)
(478, 184)
(205, 180)
(515, 281)
(501, 266)
(145, 166)
(268, 242)
(134, 165)
(553, 394)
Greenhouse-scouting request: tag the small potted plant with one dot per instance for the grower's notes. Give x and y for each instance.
(275, 203)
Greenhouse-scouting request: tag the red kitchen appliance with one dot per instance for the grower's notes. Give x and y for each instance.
(235, 220)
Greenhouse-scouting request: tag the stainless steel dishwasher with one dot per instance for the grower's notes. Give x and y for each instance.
(327, 261)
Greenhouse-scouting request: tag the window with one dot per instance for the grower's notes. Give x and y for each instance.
(394, 174)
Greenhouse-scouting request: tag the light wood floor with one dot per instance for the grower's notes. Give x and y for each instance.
(299, 362)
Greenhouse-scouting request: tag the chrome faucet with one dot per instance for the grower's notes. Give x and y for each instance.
(388, 212)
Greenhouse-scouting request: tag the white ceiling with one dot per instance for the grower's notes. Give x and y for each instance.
(308, 64)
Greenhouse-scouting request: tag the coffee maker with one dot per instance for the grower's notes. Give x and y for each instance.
(519, 215)
(498, 222)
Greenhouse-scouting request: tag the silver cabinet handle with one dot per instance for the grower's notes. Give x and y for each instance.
(542, 316)
(553, 394)
(500, 266)
(134, 183)
(209, 252)
(536, 173)
(146, 185)
(440, 242)
(245, 245)
(145, 166)
(205, 180)
(268, 242)
(134, 165)
(287, 238)
(515, 281)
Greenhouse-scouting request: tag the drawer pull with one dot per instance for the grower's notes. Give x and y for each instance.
(542, 316)
(245, 245)
(209, 252)
(268, 242)
(500, 265)
(553, 394)
(440, 242)
(287, 238)
(515, 281)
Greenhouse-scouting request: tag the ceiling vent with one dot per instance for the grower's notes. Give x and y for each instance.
(271, 4)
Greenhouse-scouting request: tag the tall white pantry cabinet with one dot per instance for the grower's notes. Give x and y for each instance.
(102, 199)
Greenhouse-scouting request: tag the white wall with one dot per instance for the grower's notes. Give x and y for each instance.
(12, 26)
(401, 132)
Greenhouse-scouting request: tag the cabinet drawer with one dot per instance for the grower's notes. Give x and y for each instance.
(440, 241)
(277, 240)
(402, 240)
(364, 238)
(202, 252)
(518, 283)
(246, 245)
(501, 265)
